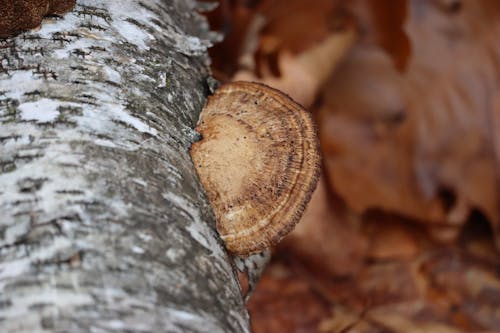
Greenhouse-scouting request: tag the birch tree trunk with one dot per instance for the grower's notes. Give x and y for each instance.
(103, 224)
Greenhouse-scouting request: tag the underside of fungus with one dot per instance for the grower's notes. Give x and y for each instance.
(258, 162)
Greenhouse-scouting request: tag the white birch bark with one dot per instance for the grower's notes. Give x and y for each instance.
(103, 224)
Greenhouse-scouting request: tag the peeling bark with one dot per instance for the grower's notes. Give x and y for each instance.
(103, 224)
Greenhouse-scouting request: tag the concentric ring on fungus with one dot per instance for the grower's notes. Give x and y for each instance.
(258, 162)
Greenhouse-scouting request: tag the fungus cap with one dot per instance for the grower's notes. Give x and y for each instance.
(19, 15)
(258, 162)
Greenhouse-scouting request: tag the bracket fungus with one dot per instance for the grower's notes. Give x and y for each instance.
(258, 162)
(19, 15)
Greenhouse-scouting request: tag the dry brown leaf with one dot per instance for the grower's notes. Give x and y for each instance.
(292, 26)
(451, 289)
(420, 143)
(257, 32)
(303, 74)
(391, 238)
(381, 23)
(285, 303)
(321, 236)
(234, 19)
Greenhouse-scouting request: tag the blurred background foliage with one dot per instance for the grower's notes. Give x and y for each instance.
(403, 232)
